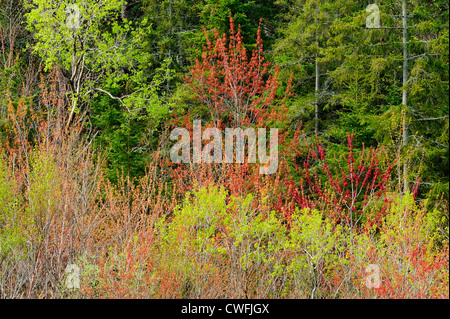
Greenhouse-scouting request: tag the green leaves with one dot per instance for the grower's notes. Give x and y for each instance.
(61, 32)
(101, 53)
(10, 234)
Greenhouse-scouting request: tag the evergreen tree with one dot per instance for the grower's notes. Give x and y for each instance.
(361, 88)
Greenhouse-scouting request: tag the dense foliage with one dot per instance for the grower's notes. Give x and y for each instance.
(90, 90)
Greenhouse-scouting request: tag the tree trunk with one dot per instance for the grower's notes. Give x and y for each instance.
(405, 93)
(317, 85)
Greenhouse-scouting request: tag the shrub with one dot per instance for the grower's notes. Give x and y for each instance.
(221, 245)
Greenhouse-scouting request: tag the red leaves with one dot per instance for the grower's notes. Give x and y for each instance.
(344, 190)
(228, 83)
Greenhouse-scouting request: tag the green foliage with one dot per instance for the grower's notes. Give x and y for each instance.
(213, 229)
(409, 225)
(312, 238)
(11, 235)
(317, 247)
(361, 75)
(117, 70)
(101, 54)
(44, 195)
(58, 38)
(177, 24)
(195, 223)
(108, 64)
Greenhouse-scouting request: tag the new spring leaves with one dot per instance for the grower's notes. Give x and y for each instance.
(215, 146)
(212, 152)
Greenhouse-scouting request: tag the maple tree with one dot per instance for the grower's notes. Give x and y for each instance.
(346, 192)
(235, 88)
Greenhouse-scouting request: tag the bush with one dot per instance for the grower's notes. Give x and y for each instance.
(220, 247)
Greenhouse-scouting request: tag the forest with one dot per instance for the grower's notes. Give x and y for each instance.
(351, 203)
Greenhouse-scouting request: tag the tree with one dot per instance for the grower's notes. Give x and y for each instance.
(246, 13)
(177, 26)
(369, 77)
(382, 73)
(17, 67)
(299, 48)
(97, 52)
(236, 89)
(106, 62)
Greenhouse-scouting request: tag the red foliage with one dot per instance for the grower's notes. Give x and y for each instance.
(230, 84)
(346, 191)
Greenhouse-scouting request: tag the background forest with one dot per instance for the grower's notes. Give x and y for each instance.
(91, 89)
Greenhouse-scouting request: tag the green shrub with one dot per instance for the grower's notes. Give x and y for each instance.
(11, 233)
